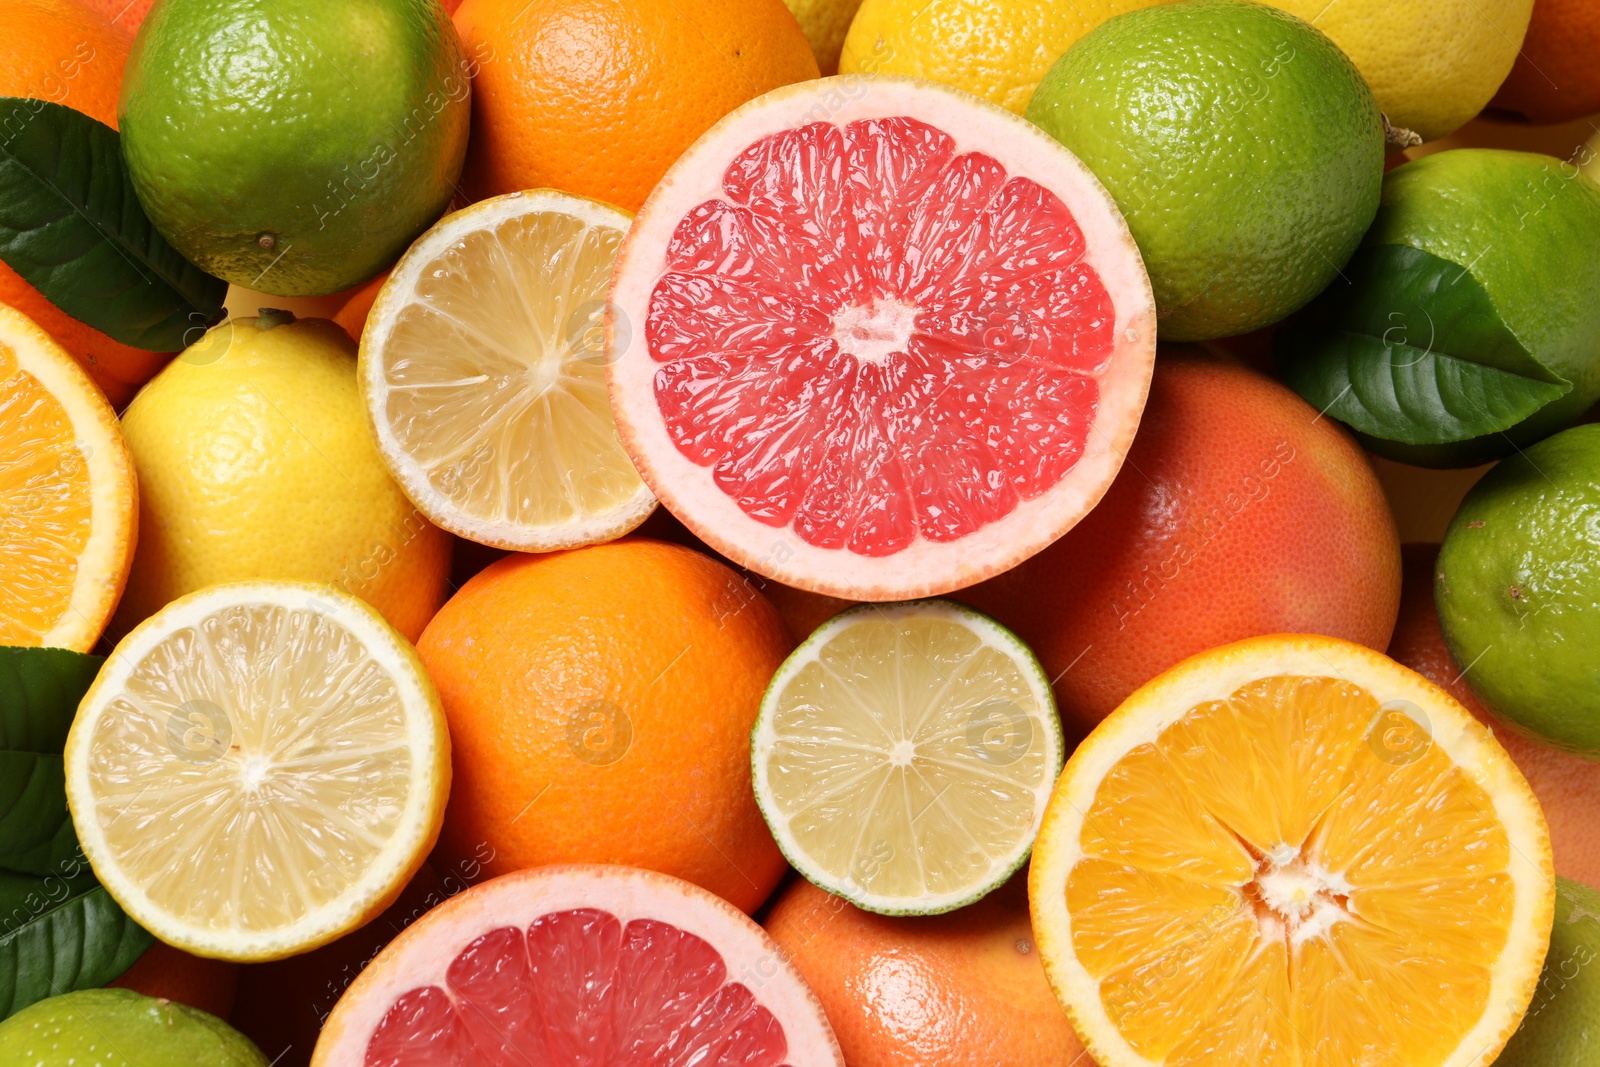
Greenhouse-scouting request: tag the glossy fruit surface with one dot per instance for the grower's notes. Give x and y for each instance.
(579, 965)
(121, 1028)
(291, 146)
(1567, 785)
(580, 685)
(958, 990)
(928, 263)
(256, 461)
(1238, 513)
(1279, 849)
(1559, 1029)
(598, 97)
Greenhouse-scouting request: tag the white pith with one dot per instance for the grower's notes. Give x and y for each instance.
(925, 567)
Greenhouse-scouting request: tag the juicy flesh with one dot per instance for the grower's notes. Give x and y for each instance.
(909, 757)
(875, 338)
(581, 989)
(496, 374)
(1273, 882)
(45, 506)
(253, 766)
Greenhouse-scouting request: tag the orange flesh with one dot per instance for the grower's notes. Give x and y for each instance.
(1291, 876)
(45, 508)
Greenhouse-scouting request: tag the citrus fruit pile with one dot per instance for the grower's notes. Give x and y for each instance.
(795, 533)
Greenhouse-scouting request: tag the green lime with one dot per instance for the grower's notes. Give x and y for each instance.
(121, 1028)
(904, 754)
(1517, 582)
(1562, 1027)
(1240, 143)
(295, 147)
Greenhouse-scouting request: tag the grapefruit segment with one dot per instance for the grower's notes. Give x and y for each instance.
(584, 965)
(876, 338)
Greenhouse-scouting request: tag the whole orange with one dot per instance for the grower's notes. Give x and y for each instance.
(964, 989)
(1556, 77)
(173, 974)
(1567, 785)
(1239, 512)
(599, 97)
(67, 53)
(600, 705)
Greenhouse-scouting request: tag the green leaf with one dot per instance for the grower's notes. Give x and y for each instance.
(39, 693)
(71, 225)
(1412, 349)
(60, 933)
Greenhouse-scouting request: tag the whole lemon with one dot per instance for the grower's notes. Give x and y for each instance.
(1432, 64)
(255, 460)
(996, 49)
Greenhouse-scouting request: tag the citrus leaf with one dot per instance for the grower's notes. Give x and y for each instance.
(60, 933)
(71, 225)
(39, 693)
(1410, 348)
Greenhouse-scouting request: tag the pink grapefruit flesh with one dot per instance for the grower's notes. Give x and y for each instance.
(876, 338)
(584, 966)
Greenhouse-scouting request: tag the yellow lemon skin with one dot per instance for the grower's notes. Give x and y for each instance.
(255, 460)
(996, 49)
(1432, 64)
(825, 23)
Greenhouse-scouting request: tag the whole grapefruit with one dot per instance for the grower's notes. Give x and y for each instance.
(600, 705)
(67, 53)
(1238, 513)
(598, 97)
(1567, 785)
(1555, 77)
(964, 989)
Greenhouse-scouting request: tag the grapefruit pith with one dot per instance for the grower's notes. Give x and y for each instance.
(583, 965)
(878, 338)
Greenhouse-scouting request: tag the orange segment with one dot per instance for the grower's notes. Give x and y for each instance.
(1292, 851)
(67, 495)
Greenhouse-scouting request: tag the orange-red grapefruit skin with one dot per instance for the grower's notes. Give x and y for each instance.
(832, 518)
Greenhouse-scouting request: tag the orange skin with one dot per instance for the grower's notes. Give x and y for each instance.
(599, 97)
(539, 659)
(950, 990)
(66, 52)
(1556, 78)
(1567, 785)
(353, 316)
(1238, 513)
(173, 974)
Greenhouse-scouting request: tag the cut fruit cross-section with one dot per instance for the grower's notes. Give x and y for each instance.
(258, 769)
(904, 754)
(68, 495)
(483, 370)
(1292, 851)
(877, 338)
(583, 966)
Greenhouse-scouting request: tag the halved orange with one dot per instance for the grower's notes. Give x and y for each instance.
(68, 495)
(1292, 851)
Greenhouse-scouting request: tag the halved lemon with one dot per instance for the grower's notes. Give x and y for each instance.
(904, 754)
(259, 768)
(1292, 851)
(68, 495)
(483, 370)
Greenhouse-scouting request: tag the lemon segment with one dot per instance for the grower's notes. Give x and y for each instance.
(903, 755)
(1287, 850)
(258, 769)
(68, 495)
(483, 371)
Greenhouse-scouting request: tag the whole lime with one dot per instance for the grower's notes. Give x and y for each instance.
(121, 1028)
(1562, 1027)
(1517, 586)
(295, 147)
(1240, 143)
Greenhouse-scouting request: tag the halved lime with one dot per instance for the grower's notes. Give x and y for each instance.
(904, 755)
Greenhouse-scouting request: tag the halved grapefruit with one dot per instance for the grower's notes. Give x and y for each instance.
(583, 966)
(876, 338)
